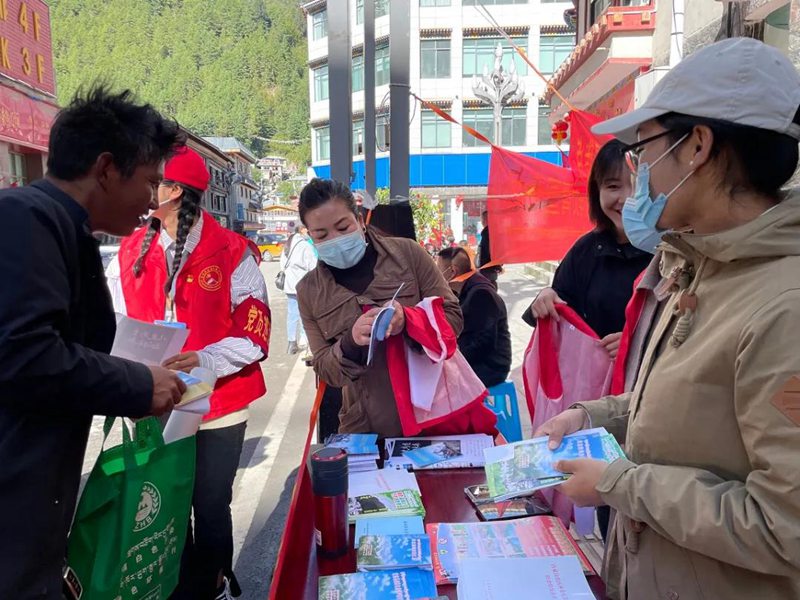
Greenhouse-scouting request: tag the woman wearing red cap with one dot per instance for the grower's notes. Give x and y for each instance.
(183, 266)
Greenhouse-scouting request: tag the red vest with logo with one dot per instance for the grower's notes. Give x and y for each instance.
(202, 302)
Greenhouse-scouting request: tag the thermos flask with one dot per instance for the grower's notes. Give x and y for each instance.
(329, 484)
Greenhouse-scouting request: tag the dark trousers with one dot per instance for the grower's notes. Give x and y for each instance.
(209, 539)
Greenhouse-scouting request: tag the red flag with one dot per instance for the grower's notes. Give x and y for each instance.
(583, 145)
(536, 211)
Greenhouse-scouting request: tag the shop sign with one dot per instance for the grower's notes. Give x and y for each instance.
(26, 50)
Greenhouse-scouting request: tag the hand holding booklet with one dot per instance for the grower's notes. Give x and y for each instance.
(381, 325)
(521, 468)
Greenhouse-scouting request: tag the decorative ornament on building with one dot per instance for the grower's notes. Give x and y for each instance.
(560, 130)
(498, 88)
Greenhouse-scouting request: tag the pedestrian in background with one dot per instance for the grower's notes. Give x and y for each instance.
(485, 340)
(57, 324)
(707, 497)
(184, 267)
(297, 259)
(485, 253)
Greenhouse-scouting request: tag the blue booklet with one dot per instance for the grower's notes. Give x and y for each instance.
(388, 526)
(377, 552)
(408, 584)
(354, 443)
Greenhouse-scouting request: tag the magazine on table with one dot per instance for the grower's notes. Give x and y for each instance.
(388, 526)
(378, 552)
(460, 451)
(545, 578)
(412, 584)
(527, 537)
(398, 503)
(521, 468)
(380, 480)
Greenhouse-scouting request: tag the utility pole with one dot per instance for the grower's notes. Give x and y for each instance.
(340, 60)
(399, 88)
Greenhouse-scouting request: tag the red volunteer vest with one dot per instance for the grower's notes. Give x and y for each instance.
(202, 302)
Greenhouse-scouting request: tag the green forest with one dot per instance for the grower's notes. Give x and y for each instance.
(227, 68)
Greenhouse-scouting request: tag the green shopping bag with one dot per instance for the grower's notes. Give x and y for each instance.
(130, 526)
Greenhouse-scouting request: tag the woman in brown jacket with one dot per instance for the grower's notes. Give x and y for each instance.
(360, 270)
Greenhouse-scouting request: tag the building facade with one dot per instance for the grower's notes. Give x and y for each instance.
(245, 195)
(220, 167)
(624, 47)
(451, 43)
(27, 90)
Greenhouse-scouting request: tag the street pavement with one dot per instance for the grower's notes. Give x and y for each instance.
(277, 429)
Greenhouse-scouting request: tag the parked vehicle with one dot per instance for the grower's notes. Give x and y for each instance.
(270, 245)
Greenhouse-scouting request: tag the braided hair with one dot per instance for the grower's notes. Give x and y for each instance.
(187, 214)
(152, 229)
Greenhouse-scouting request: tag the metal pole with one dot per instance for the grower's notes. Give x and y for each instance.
(339, 87)
(369, 97)
(399, 87)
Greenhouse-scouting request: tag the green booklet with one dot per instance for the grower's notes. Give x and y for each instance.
(397, 503)
(521, 468)
(377, 552)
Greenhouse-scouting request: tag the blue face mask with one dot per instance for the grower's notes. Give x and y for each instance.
(344, 251)
(640, 214)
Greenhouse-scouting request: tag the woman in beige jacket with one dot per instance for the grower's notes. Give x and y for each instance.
(708, 500)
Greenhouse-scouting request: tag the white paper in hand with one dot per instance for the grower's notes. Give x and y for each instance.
(186, 417)
(147, 343)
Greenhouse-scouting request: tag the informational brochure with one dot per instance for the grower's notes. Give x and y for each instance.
(521, 468)
(388, 526)
(545, 578)
(380, 480)
(147, 343)
(408, 584)
(470, 448)
(185, 418)
(381, 325)
(398, 503)
(527, 537)
(425, 456)
(378, 552)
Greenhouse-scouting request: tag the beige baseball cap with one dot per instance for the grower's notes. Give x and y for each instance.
(740, 80)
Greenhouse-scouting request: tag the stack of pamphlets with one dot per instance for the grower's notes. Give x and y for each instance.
(438, 452)
(521, 468)
(388, 526)
(527, 537)
(409, 584)
(398, 503)
(361, 448)
(550, 578)
(379, 552)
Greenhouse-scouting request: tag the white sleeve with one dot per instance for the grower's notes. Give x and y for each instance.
(114, 282)
(309, 257)
(231, 354)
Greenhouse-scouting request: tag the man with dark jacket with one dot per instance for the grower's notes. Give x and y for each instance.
(485, 341)
(485, 254)
(57, 324)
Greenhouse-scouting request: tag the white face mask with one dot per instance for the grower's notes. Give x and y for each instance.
(143, 220)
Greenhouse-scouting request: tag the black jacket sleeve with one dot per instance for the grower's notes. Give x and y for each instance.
(480, 326)
(40, 370)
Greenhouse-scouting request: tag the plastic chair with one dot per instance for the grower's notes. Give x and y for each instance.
(502, 401)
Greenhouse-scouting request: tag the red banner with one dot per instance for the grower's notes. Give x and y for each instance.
(24, 120)
(537, 210)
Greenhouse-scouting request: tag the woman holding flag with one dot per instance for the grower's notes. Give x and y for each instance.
(184, 267)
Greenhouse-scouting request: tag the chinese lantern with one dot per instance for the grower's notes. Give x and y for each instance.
(559, 132)
(459, 201)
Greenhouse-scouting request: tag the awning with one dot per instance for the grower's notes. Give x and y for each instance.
(25, 120)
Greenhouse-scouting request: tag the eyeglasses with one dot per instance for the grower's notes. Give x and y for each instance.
(633, 152)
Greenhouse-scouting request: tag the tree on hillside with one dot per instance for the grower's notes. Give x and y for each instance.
(232, 68)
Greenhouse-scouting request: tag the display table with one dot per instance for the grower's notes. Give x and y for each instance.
(298, 568)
